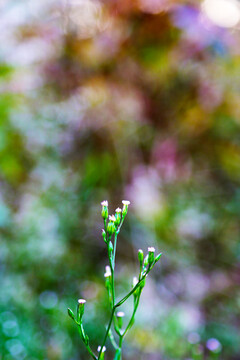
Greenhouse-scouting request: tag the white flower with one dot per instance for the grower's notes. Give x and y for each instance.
(118, 210)
(126, 202)
(112, 218)
(104, 203)
(151, 249)
(120, 314)
(135, 281)
(103, 349)
(107, 271)
(81, 301)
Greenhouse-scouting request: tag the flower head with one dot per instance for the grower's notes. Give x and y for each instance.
(135, 281)
(81, 301)
(151, 249)
(103, 349)
(111, 225)
(112, 218)
(104, 209)
(118, 216)
(104, 203)
(140, 258)
(120, 314)
(104, 235)
(107, 271)
(80, 309)
(125, 207)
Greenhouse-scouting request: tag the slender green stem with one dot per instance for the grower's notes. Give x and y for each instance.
(116, 328)
(109, 296)
(112, 265)
(113, 301)
(107, 332)
(83, 336)
(131, 292)
(114, 306)
(113, 311)
(114, 248)
(131, 321)
(120, 346)
(91, 352)
(111, 337)
(112, 285)
(120, 341)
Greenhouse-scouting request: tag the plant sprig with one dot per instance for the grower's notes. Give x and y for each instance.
(112, 227)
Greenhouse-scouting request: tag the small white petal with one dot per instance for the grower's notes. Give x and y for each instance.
(107, 268)
(120, 314)
(126, 202)
(135, 281)
(99, 348)
(107, 271)
(104, 203)
(81, 301)
(151, 249)
(112, 218)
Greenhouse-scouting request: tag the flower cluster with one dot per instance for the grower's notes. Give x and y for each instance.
(112, 226)
(114, 221)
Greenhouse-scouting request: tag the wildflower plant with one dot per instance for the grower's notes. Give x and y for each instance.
(112, 227)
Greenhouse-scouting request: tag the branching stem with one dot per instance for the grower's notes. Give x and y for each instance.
(119, 303)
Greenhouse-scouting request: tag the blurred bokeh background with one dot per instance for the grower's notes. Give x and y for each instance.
(119, 99)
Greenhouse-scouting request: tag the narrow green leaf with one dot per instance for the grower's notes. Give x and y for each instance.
(157, 257)
(70, 313)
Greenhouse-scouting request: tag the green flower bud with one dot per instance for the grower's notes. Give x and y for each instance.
(134, 283)
(104, 209)
(80, 309)
(104, 236)
(157, 257)
(107, 273)
(140, 258)
(111, 225)
(151, 251)
(120, 316)
(125, 207)
(107, 276)
(118, 216)
(145, 263)
(70, 313)
(110, 246)
(110, 252)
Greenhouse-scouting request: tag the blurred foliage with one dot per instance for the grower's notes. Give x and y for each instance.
(112, 100)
